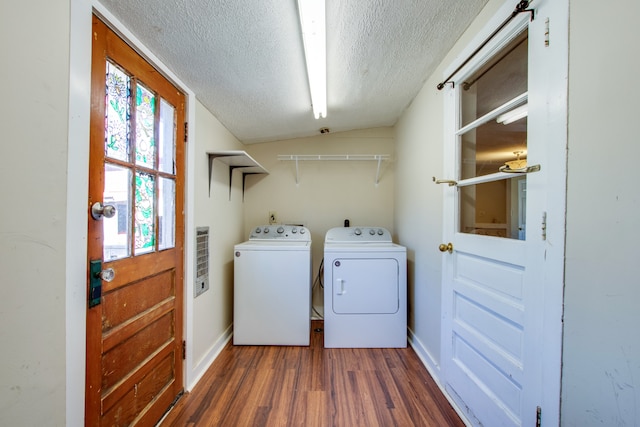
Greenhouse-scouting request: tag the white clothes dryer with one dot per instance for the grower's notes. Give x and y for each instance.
(365, 289)
(272, 287)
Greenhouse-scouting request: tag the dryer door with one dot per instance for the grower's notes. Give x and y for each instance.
(365, 285)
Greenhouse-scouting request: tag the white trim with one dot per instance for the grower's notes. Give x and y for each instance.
(423, 353)
(433, 369)
(550, 107)
(209, 357)
(76, 215)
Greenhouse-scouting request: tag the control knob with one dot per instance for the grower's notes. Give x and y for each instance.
(280, 230)
(357, 232)
(380, 232)
(258, 230)
(302, 230)
(266, 230)
(372, 232)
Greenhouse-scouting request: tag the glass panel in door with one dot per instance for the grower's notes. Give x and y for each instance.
(501, 79)
(140, 156)
(117, 229)
(492, 134)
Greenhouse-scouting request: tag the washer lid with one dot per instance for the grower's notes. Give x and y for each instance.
(358, 235)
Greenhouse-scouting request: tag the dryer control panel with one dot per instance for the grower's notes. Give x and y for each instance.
(358, 234)
(280, 232)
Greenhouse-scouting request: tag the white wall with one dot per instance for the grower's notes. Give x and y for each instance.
(418, 201)
(33, 217)
(601, 361)
(328, 192)
(212, 310)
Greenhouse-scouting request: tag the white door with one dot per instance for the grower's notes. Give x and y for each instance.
(499, 339)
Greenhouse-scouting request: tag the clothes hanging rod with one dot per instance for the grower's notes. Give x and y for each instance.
(379, 158)
(520, 8)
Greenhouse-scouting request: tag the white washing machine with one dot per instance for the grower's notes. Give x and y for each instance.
(272, 287)
(365, 289)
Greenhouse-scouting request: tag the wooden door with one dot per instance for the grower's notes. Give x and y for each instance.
(135, 320)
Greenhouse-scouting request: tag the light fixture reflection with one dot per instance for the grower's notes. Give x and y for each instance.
(513, 115)
(312, 22)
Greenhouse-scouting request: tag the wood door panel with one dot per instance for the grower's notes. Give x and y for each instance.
(116, 335)
(138, 397)
(131, 353)
(114, 394)
(129, 270)
(129, 301)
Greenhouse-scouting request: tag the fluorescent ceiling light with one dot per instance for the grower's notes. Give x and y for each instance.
(513, 115)
(312, 22)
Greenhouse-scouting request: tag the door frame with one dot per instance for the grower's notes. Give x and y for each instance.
(547, 99)
(81, 12)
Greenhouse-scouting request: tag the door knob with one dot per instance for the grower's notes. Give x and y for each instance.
(107, 274)
(446, 247)
(98, 210)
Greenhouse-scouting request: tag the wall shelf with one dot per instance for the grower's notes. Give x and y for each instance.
(235, 160)
(335, 157)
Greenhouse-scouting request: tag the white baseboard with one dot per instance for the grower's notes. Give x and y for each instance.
(427, 360)
(205, 362)
(434, 370)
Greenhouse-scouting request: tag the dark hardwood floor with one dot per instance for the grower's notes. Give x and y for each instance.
(314, 386)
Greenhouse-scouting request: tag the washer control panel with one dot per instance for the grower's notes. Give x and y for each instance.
(280, 232)
(358, 234)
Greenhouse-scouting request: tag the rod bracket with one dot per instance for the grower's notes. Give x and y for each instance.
(522, 8)
(445, 181)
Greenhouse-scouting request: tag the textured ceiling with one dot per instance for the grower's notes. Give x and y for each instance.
(244, 59)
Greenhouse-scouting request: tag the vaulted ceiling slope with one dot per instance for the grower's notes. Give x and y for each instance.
(244, 59)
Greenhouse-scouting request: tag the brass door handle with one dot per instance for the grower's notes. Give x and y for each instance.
(446, 247)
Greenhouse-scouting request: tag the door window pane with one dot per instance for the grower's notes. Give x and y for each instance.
(166, 213)
(486, 148)
(496, 208)
(501, 79)
(116, 230)
(118, 113)
(142, 185)
(144, 214)
(145, 127)
(493, 111)
(167, 138)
